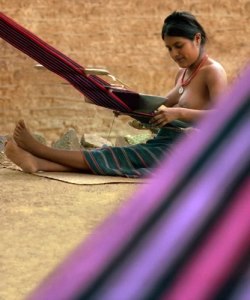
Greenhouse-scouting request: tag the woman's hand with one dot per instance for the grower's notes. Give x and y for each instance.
(164, 115)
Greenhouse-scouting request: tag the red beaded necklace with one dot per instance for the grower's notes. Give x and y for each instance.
(188, 80)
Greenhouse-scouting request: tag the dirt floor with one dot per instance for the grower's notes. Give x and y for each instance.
(42, 220)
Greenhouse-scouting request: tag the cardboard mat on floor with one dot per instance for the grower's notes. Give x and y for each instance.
(75, 178)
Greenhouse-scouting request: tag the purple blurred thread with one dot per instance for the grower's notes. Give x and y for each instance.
(243, 291)
(219, 255)
(179, 225)
(83, 265)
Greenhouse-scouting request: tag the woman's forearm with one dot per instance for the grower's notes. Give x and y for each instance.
(190, 115)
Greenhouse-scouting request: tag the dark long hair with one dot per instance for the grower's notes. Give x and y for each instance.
(183, 24)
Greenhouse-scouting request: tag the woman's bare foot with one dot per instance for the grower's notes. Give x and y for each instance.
(26, 161)
(49, 159)
(29, 163)
(24, 138)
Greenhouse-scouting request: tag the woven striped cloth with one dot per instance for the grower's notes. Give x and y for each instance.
(183, 236)
(136, 160)
(93, 87)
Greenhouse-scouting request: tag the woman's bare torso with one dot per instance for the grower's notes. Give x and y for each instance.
(196, 94)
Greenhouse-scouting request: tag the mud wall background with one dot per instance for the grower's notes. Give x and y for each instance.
(120, 35)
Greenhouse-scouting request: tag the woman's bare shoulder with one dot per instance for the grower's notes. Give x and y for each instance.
(214, 67)
(215, 73)
(215, 78)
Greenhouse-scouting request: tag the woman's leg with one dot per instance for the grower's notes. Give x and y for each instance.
(71, 159)
(30, 163)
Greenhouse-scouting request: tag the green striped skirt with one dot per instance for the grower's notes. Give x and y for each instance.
(135, 160)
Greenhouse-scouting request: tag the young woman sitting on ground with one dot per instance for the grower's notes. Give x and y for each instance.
(199, 81)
